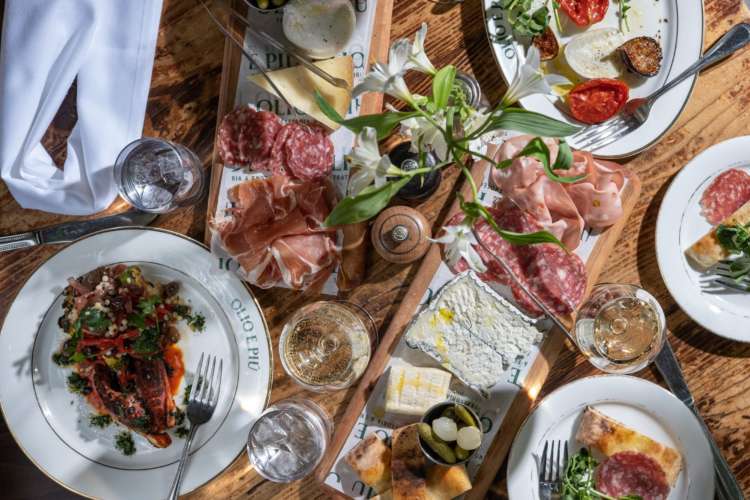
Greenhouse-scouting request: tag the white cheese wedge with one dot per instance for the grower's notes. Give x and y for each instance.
(412, 391)
(298, 84)
(472, 332)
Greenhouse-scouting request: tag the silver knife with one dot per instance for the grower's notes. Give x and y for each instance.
(69, 231)
(666, 362)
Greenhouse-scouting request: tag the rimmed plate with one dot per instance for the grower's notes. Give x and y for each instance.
(676, 23)
(724, 311)
(51, 425)
(635, 402)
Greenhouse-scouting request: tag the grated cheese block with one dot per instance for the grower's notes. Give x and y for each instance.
(412, 391)
(298, 84)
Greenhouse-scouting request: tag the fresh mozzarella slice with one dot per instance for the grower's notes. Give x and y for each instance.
(593, 54)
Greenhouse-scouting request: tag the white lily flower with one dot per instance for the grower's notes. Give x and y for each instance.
(389, 78)
(459, 241)
(531, 80)
(418, 59)
(371, 165)
(473, 123)
(423, 131)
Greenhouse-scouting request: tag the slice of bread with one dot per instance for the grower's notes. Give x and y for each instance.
(371, 460)
(707, 251)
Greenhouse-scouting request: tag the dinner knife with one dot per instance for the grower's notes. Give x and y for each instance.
(666, 363)
(69, 231)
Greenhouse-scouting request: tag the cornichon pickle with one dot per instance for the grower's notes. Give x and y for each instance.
(450, 413)
(461, 454)
(444, 451)
(464, 415)
(262, 4)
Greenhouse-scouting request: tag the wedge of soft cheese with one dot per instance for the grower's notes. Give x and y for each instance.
(298, 84)
(412, 391)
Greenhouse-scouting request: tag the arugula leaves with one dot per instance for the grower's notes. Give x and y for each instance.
(736, 240)
(522, 18)
(579, 482)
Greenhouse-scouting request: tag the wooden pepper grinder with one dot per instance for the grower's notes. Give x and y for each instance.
(401, 235)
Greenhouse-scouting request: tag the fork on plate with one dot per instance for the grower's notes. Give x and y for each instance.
(204, 395)
(725, 276)
(636, 111)
(552, 468)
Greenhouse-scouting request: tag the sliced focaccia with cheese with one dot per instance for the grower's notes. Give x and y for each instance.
(707, 251)
(608, 436)
(371, 460)
(408, 465)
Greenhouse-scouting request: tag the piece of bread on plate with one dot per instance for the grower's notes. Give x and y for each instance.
(707, 251)
(445, 483)
(608, 436)
(371, 460)
(408, 465)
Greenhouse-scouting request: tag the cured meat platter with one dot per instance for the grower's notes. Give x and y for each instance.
(502, 405)
(368, 43)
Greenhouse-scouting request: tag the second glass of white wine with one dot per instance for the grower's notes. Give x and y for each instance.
(620, 328)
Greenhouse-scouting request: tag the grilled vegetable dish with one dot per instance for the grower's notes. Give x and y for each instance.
(121, 343)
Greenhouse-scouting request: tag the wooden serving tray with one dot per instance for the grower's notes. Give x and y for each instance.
(538, 371)
(371, 102)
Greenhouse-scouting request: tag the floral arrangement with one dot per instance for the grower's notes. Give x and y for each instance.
(446, 125)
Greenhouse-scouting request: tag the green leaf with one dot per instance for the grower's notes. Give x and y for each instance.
(327, 109)
(536, 148)
(529, 122)
(518, 238)
(148, 306)
(362, 207)
(564, 158)
(442, 84)
(383, 123)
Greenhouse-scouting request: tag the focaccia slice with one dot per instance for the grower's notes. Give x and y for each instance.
(408, 465)
(608, 436)
(445, 483)
(707, 251)
(371, 460)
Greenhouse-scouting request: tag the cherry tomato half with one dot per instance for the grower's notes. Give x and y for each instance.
(585, 12)
(597, 100)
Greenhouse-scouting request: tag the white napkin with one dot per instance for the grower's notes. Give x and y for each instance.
(109, 45)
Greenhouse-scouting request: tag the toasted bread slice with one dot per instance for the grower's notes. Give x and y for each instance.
(445, 483)
(608, 436)
(408, 465)
(707, 251)
(371, 460)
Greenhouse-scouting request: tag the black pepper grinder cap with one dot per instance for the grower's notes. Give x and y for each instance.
(420, 186)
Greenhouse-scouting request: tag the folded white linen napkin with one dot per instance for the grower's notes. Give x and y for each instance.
(109, 46)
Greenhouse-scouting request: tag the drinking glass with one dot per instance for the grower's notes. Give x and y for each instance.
(326, 345)
(620, 328)
(288, 440)
(155, 175)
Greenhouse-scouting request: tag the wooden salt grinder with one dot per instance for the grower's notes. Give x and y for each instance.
(400, 235)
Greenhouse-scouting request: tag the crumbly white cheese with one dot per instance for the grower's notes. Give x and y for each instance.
(473, 332)
(412, 390)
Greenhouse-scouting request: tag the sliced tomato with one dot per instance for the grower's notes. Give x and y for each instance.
(597, 100)
(585, 12)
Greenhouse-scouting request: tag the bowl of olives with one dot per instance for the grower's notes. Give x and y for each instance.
(449, 433)
(266, 5)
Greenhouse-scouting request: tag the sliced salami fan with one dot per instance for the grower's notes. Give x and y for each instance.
(229, 135)
(247, 136)
(306, 151)
(728, 192)
(632, 473)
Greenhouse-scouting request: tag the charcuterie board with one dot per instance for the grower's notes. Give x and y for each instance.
(369, 43)
(509, 401)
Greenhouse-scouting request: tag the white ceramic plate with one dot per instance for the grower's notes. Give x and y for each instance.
(51, 425)
(677, 24)
(721, 310)
(635, 402)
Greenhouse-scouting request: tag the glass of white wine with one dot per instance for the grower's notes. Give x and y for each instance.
(620, 328)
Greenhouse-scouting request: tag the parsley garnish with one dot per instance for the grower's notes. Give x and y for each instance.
(124, 443)
(182, 432)
(197, 322)
(579, 482)
(148, 306)
(78, 384)
(148, 341)
(624, 8)
(95, 320)
(100, 421)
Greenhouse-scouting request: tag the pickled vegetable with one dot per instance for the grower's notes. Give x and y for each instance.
(444, 451)
(461, 453)
(469, 438)
(263, 4)
(464, 415)
(445, 428)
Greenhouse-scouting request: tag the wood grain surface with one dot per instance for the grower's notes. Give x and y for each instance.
(182, 107)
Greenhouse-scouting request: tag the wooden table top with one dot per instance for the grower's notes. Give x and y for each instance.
(182, 107)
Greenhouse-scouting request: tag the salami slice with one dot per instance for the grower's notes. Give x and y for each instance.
(307, 151)
(246, 137)
(229, 135)
(728, 192)
(632, 473)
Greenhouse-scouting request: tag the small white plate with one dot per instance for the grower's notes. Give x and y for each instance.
(637, 403)
(51, 425)
(677, 24)
(724, 311)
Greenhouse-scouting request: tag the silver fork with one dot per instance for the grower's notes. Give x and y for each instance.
(728, 278)
(636, 111)
(550, 480)
(200, 407)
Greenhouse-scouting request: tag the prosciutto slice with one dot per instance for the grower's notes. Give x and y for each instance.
(562, 209)
(274, 231)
